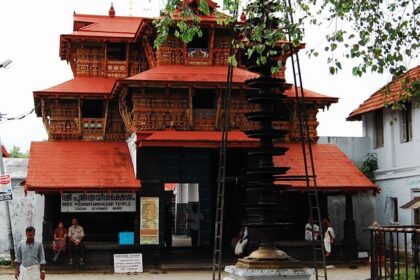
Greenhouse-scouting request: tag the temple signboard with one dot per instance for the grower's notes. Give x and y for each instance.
(5, 187)
(98, 202)
(149, 220)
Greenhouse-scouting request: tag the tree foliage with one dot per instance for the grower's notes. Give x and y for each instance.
(16, 153)
(377, 35)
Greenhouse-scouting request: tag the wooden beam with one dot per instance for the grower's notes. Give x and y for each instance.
(79, 106)
(44, 117)
(211, 47)
(190, 99)
(218, 107)
(105, 59)
(149, 53)
(105, 119)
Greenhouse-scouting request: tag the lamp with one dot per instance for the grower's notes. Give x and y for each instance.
(5, 63)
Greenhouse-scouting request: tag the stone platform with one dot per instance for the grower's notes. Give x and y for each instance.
(239, 273)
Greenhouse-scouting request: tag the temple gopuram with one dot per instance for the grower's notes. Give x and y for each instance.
(136, 133)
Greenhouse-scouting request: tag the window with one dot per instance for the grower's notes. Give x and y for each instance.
(200, 42)
(417, 216)
(204, 99)
(379, 129)
(93, 109)
(406, 126)
(116, 51)
(394, 207)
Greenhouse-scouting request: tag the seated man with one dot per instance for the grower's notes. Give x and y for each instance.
(76, 235)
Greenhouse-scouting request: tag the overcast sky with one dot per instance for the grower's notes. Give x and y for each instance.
(29, 35)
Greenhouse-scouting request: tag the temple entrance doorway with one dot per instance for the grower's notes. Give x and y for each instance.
(180, 200)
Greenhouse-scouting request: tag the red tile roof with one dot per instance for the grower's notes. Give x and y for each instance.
(192, 74)
(183, 74)
(80, 166)
(107, 26)
(388, 94)
(81, 86)
(335, 172)
(4, 151)
(193, 139)
(333, 169)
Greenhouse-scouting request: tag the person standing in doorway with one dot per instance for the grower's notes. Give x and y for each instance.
(76, 235)
(329, 236)
(30, 258)
(169, 223)
(193, 220)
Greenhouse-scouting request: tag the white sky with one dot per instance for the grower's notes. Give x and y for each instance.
(29, 35)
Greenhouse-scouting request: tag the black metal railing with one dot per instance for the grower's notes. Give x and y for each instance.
(394, 252)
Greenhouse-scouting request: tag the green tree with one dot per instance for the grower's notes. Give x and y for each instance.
(377, 35)
(16, 153)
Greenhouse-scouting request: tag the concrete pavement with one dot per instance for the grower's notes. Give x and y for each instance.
(339, 273)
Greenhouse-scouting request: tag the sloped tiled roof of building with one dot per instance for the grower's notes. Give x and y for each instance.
(193, 139)
(80, 166)
(192, 74)
(208, 74)
(81, 86)
(334, 171)
(106, 26)
(388, 94)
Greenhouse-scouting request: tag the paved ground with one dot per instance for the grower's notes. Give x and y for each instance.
(360, 273)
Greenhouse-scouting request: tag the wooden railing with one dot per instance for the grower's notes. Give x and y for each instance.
(394, 252)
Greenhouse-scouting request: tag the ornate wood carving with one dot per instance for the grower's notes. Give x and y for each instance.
(294, 133)
(64, 120)
(124, 111)
(148, 51)
(115, 127)
(45, 119)
(105, 118)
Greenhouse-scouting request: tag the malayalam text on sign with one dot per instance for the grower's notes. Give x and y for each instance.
(149, 220)
(98, 202)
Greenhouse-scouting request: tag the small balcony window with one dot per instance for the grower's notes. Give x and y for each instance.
(116, 51)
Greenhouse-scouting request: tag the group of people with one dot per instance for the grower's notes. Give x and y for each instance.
(312, 232)
(75, 235)
(30, 256)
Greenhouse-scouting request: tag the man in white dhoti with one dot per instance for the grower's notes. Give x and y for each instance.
(30, 258)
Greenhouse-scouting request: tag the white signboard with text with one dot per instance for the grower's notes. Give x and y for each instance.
(124, 263)
(98, 202)
(5, 187)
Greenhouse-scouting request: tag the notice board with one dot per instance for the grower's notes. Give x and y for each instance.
(124, 263)
(149, 220)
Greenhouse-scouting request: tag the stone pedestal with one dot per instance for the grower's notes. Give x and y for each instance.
(238, 273)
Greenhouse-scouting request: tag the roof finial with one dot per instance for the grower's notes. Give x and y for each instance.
(111, 11)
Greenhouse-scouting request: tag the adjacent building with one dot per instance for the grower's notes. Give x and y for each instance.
(394, 138)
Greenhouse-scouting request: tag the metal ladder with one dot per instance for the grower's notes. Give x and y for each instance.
(310, 175)
(221, 180)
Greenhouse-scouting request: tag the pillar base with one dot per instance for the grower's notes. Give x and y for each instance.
(239, 273)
